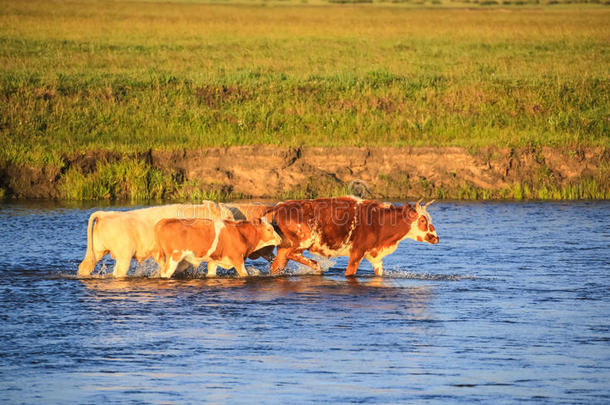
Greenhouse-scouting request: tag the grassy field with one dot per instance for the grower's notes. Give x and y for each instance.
(129, 76)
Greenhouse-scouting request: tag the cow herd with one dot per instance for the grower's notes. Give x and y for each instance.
(179, 235)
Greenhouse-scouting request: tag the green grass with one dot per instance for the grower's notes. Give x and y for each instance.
(135, 180)
(130, 76)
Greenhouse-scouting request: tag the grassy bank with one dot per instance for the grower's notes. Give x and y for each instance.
(136, 181)
(131, 76)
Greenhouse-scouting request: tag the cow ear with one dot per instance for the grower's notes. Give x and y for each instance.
(412, 214)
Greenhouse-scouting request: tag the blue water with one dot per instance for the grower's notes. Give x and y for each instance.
(512, 305)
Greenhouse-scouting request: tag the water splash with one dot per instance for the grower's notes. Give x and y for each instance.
(253, 271)
(408, 275)
(298, 269)
(148, 268)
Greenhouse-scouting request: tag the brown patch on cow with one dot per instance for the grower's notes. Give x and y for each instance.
(431, 227)
(419, 239)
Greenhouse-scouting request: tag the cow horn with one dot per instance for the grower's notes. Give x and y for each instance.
(428, 203)
(418, 203)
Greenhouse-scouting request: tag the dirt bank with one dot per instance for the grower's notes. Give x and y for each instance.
(278, 172)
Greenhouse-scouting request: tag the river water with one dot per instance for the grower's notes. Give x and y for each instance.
(512, 305)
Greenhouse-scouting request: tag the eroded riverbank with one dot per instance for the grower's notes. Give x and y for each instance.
(282, 172)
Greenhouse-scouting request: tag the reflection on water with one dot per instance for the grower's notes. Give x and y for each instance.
(505, 309)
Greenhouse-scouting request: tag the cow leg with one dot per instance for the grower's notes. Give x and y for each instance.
(212, 269)
(171, 263)
(354, 261)
(241, 269)
(281, 259)
(121, 266)
(378, 267)
(376, 263)
(298, 257)
(88, 264)
(86, 267)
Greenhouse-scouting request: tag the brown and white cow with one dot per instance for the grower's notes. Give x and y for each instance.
(347, 226)
(221, 243)
(130, 234)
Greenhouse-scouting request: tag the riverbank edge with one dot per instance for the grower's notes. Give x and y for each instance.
(275, 172)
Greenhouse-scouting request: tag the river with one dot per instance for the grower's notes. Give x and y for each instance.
(512, 305)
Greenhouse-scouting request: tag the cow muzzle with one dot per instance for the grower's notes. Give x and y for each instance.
(431, 238)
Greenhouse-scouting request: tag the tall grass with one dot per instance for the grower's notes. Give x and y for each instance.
(135, 180)
(130, 76)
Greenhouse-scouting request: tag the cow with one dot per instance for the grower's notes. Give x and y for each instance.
(251, 212)
(346, 226)
(219, 242)
(130, 234)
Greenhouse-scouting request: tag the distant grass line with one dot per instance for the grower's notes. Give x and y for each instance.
(44, 121)
(134, 76)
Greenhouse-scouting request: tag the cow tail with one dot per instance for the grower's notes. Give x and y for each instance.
(90, 251)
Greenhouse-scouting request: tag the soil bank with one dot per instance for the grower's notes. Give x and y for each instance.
(281, 172)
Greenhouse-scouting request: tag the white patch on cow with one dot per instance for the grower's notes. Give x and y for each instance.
(377, 264)
(381, 253)
(306, 243)
(188, 255)
(218, 226)
(325, 251)
(377, 260)
(356, 199)
(171, 267)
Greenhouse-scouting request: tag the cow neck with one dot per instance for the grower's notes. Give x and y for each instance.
(397, 228)
(247, 227)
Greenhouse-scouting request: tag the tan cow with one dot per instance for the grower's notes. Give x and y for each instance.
(251, 212)
(221, 243)
(130, 234)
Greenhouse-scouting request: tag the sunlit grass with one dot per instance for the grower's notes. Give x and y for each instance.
(129, 76)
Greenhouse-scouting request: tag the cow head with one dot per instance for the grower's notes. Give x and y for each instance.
(268, 236)
(422, 229)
